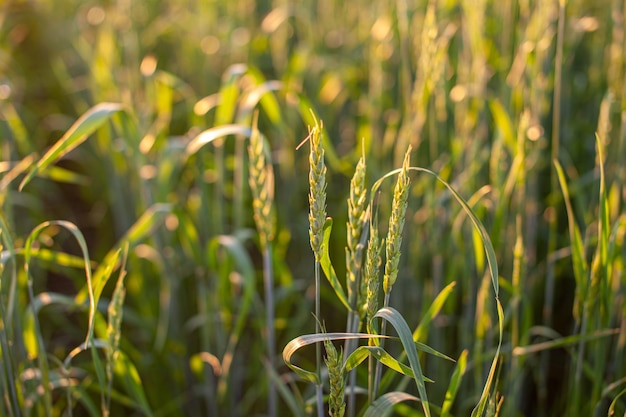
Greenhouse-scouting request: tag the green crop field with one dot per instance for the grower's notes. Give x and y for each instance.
(313, 207)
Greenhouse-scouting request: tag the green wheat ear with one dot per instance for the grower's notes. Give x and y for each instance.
(261, 181)
(317, 193)
(396, 224)
(372, 279)
(337, 380)
(355, 227)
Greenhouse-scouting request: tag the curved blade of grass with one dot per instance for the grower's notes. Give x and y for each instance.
(393, 317)
(491, 261)
(229, 92)
(76, 134)
(579, 261)
(613, 406)
(484, 397)
(384, 404)
(29, 331)
(362, 352)
(125, 371)
(310, 339)
(433, 310)
(268, 101)
(56, 257)
(76, 233)
(328, 268)
(138, 231)
(563, 342)
(214, 133)
(453, 386)
(15, 170)
(41, 355)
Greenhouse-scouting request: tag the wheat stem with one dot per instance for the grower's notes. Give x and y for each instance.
(317, 217)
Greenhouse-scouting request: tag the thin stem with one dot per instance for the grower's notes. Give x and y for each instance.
(268, 280)
(379, 366)
(319, 389)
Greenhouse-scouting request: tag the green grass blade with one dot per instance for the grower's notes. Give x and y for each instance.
(362, 352)
(214, 133)
(229, 93)
(328, 268)
(563, 342)
(604, 230)
(57, 257)
(311, 339)
(614, 404)
(579, 262)
(384, 404)
(484, 397)
(77, 134)
(453, 386)
(260, 94)
(29, 330)
(138, 231)
(29, 250)
(127, 373)
(394, 318)
(8, 253)
(15, 170)
(76, 233)
(433, 310)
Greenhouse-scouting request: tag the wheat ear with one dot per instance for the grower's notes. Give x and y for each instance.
(261, 179)
(337, 380)
(396, 224)
(317, 193)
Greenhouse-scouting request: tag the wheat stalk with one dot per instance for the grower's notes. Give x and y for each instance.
(317, 218)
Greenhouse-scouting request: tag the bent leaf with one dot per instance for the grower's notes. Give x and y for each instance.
(209, 135)
(362, 352)
(394, 318)
(327, 266)
(76, 134)
(310, 339)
